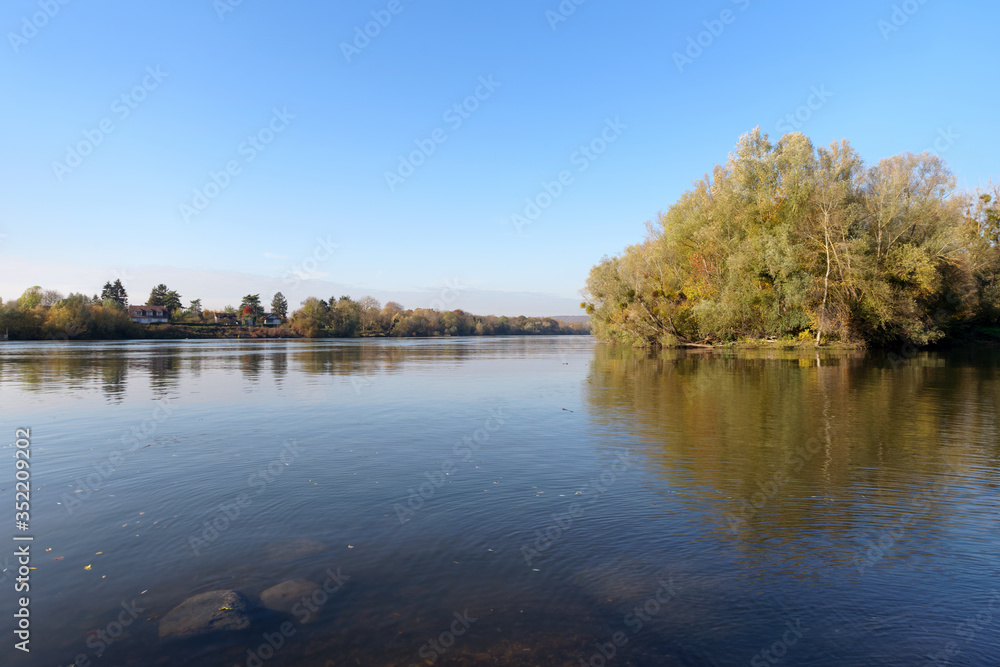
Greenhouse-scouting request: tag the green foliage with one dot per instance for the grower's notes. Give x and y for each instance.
(250, 309)
(347, 318)
(41, 314)
(161, 295)
(279, 305)
(785, 240)
(194, 311)
(30, 298)
(115, 292)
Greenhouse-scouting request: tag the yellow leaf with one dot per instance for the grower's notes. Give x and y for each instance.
(87, 567)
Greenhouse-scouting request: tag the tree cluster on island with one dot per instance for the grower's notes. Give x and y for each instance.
(790, 243)
(46, 314)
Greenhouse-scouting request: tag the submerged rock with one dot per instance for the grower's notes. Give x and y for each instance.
(287, 594)
(302, 546)
(214, 611)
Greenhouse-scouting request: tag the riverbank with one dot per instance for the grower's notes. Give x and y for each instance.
(971, 336)
(218, 332)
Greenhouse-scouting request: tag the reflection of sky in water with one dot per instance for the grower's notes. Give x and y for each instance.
(724, 496)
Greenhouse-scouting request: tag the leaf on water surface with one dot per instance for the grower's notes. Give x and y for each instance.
(86, 567)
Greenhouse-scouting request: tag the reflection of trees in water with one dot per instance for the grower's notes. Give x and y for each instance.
(727, 422)
(108, 367)
(163, 365)
(251, 364)
(368, 359)
(46, 366)
(113, 368)
(81, 366)
(278, 359)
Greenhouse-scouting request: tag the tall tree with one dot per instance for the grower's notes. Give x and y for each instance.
(157, 295)
(279, 305)
(30, 298)
(345, 317)
(250, 308)
(161, 295)
(115, 292)
(173, 301)
(370, 320)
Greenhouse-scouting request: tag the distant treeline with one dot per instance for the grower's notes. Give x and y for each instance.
(347, 318)
(47, 315)
(787, 242)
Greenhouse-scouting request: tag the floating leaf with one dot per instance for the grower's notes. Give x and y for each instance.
(87, 567)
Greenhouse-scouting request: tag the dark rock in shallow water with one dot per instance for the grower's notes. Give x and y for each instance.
(287, 594)
(214, 611)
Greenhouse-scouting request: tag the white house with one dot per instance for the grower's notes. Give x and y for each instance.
(149, 314)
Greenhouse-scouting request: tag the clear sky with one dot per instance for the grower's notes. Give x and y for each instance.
(309, 115)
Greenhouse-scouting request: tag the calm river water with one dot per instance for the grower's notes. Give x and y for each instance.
(507, 501)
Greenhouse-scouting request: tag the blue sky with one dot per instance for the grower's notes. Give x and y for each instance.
(312, 212)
